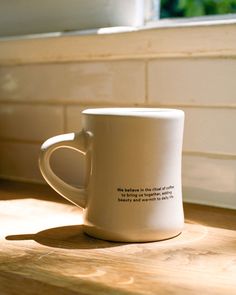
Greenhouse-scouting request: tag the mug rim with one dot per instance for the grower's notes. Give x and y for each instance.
(134, 112)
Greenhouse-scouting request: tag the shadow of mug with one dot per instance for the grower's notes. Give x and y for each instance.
(73, 237)
(65, 237)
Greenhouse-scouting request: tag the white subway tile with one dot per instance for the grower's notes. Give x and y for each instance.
(74, 115)
(209, 181)
(192, 81)
(70, 166)
(74, 118)
(205, 180)
(111, 81)
(210, 130)
(206, 129)
(30, 122)
(19, 161)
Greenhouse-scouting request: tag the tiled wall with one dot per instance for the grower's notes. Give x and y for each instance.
(41, 100)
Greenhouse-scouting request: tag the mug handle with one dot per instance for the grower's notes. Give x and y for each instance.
(77, 141)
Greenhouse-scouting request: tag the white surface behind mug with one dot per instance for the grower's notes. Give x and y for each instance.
(133, 189)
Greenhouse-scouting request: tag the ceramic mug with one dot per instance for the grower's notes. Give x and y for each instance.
(133, 190)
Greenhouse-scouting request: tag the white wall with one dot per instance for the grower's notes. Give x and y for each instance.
(41, 100)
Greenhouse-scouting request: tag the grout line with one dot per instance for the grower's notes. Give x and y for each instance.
(115, 103)
(68, 102)
(197, 106)
(146, 81)
(29, 103)
(88, 60)
(211, 155)
(21, 141)
(22, 179)
(65, 124)
(113, 58)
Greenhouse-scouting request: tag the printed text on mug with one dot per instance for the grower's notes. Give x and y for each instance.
(145, 194)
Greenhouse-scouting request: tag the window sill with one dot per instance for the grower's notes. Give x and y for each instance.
(202, 37)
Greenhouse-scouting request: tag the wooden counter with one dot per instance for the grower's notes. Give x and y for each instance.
(43, 251)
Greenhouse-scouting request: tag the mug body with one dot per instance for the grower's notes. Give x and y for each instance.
(134, 181)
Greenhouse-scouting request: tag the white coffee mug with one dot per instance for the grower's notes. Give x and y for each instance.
(133, 190)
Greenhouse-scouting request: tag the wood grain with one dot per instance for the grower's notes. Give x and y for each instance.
(44, 251)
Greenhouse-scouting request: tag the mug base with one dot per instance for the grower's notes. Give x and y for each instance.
(131, 237)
